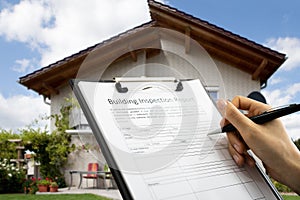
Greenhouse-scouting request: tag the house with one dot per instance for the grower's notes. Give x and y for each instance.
(173, 43)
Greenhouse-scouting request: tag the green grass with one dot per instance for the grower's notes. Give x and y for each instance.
(51, 197)
(288, 197)
(78, 197)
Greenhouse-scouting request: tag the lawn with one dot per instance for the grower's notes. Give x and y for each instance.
(51, 197)
(78, 197)
(285, 197)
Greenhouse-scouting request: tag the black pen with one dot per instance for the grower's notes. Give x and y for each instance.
(263, 118)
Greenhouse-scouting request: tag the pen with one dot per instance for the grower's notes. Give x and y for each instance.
(263, 118)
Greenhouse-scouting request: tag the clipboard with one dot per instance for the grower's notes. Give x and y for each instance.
(183, 176)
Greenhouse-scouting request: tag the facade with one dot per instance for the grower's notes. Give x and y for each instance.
(173, 43)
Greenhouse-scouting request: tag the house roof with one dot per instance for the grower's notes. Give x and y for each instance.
(259, 61)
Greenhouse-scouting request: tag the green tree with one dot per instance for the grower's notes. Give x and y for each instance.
(297, 143)
(51, 150)
(8, 149)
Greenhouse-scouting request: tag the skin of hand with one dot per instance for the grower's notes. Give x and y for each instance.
(268, 141)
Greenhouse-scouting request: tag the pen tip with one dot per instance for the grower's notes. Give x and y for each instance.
(217, 131)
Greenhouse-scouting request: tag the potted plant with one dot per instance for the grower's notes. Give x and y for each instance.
(43, 185)
(26, 185)
(53, 187)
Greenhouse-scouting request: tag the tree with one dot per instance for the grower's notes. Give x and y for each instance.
(297, 143)
(52, 150)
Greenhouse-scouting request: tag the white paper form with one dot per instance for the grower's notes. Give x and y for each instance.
(158, 138)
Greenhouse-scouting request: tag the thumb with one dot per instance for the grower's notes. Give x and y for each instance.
(234, 116)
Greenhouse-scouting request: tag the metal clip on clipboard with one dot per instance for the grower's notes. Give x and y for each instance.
(121, 89)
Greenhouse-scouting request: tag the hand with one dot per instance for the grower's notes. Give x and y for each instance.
(268, 141)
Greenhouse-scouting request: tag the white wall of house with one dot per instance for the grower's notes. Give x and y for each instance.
(227, 80)
(88, 151)
(236, 81)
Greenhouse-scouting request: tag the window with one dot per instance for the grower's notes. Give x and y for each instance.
(213, 92)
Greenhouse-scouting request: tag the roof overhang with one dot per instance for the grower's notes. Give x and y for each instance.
(223, 45)
(259, 61)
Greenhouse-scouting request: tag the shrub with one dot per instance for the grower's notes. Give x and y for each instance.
(280, 187)
(51, 150)
(8, 149)
(30, 186)
(11, 177)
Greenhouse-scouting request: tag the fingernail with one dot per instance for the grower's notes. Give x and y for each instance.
(237, 148)
(236, 159)
(222, 106)
(222, 122)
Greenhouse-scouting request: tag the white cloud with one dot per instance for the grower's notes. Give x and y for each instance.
(24, 65)
(56, 29)
(281, 97)
(23, 22)
(60, 28)
(274, 81)
(291, 123)
(289, 46)
(20, 110)
(277, 97)
(294, 89)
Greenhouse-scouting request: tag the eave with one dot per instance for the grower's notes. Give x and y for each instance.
(259, 61)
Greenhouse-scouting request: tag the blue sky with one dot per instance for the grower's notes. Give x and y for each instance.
(36, 33)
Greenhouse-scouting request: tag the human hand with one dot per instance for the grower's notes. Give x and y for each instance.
(268, 141)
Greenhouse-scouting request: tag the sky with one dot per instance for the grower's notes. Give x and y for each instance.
(35, 33)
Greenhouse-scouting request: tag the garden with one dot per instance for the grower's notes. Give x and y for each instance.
(51, 197)
(51, 151)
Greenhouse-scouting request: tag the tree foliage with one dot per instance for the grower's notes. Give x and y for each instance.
(297, 143)
(8, 149)
(51, 149)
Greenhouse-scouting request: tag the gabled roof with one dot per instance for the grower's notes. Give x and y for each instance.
(259, 61)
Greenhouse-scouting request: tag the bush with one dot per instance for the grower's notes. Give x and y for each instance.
(51, 150)
(8, 149)
(280, 187)
(11, 177)
(30, 186)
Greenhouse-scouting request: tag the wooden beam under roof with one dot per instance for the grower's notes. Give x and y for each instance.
(260, 69)
(205, 34)
(187, 39)
(50, 89)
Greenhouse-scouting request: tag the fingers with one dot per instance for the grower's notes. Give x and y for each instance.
(254, 107)
(246, 127)
(235, 117)
(237, 157)
(236, 142)
(231, 113)
(238, 150)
